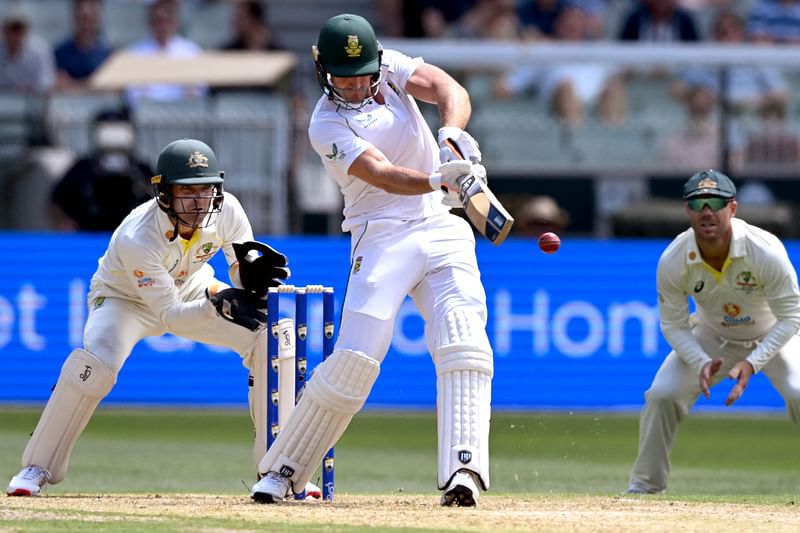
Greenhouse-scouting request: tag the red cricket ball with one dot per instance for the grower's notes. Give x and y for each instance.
(549, 242)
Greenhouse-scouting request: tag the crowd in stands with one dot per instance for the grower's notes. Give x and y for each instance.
(571, 94)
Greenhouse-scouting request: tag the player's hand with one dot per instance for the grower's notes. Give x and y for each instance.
(455, 144)
(741, 372)
(260, 266)
(707, 374)
(449, 176)
(241, 307)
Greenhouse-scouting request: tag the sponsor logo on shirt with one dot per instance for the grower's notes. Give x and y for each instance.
(699, 286)
(732, 318)
(335, 153)
(142, 280)
(366, 119)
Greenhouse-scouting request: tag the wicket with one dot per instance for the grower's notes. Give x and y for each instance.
(286, 345)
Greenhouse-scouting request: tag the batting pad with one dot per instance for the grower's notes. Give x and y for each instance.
(257, 397)
(336, 392)
(83, 382)
(464, 369)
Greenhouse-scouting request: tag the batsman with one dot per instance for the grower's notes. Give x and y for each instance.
(374, 143)
(155, 278)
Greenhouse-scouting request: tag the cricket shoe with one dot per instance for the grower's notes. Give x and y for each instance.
(271, 488)
(638, 489)
(28, 482)
(462, 490)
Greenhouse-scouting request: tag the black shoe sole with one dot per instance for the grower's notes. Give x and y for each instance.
(459, 496)
(263, 497)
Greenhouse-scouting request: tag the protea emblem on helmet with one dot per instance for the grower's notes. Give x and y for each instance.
(353, 49)
(197, 160)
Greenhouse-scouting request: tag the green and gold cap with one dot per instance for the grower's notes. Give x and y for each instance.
(709, 182)
(188, 162)
(348, 47)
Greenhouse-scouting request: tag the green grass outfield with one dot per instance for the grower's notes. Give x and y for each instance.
(208, 451)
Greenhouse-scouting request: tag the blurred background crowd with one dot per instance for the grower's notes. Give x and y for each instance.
(587, 146)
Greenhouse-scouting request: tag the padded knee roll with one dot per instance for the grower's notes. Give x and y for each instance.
(336, 392)
(83, 382)
(464, 370)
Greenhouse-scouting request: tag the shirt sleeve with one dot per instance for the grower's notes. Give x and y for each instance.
(779, 280)
(156, 288)
(237, 229)
(673, 306)
(338, 147)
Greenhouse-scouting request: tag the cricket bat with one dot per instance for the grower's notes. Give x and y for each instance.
(482, 207)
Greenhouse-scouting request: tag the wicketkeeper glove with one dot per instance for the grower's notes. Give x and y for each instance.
(260, 266)
(452, 138)
(448, 178)
(241, 307)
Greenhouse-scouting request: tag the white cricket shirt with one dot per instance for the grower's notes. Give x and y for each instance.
(142, 264)
(396, 128)
(755, 297)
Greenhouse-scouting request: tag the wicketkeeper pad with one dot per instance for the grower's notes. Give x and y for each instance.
(336, 392)
(464, 370)
(257, 394)
(83, 382)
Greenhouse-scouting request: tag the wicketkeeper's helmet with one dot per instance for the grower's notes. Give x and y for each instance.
(187, 162)
(347, 47)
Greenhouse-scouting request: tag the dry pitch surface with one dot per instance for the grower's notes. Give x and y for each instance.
(495, 513)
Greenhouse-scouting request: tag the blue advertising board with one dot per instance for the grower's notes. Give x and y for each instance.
(574, 330)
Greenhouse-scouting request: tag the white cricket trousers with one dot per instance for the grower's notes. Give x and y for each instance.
(432, 260)
(676, 388)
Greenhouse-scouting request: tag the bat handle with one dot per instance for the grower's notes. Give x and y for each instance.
(450, 144)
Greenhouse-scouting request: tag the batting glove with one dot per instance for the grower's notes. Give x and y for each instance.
(449, 175)
(455, 143)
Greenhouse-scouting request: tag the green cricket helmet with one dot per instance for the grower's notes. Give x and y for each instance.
(347, 47)
(188, 162)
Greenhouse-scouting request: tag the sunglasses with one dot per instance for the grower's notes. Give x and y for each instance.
(714, 203)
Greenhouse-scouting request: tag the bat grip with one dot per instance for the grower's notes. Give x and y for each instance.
(450, 144)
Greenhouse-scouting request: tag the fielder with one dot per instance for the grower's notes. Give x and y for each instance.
(155, 278)
(375, 144)
(748, 315)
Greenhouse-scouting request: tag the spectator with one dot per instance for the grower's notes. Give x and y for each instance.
(102, 188)
(429, 18)
(78, 56)
(774, 21)
(569, 89)
(697, 144)
(775, 144)
(26, 60)
(489, 19)
(749, 88)
(164, 40)
(540, 214)
(538, 17)
(250, 28)
(659, 21)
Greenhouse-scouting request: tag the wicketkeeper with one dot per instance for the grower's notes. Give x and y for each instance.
(153, 279)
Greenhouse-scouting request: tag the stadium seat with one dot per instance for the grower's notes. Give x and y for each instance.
(70, 117)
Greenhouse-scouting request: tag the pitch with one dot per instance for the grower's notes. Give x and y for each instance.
(175, 470)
